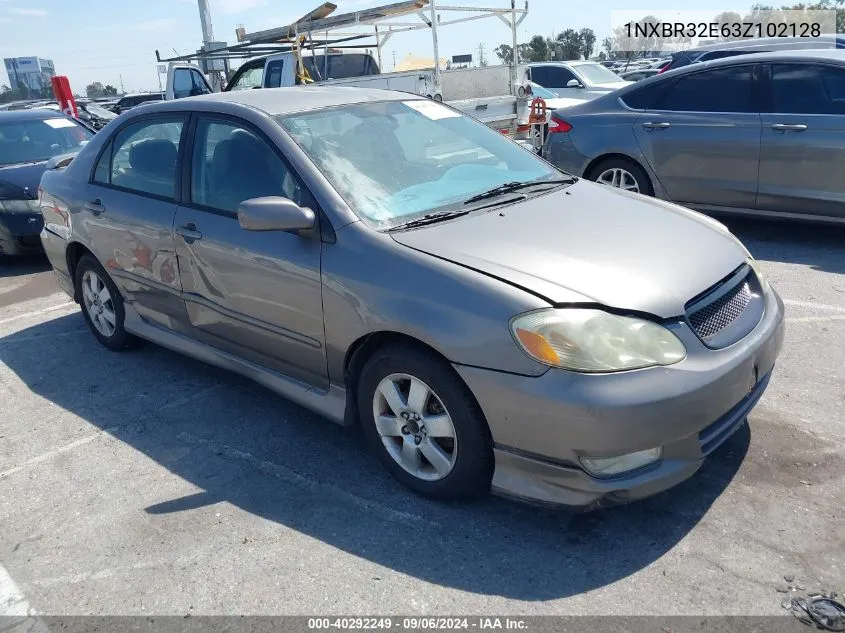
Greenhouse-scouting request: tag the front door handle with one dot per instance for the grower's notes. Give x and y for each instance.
(95, 206)
(189, 232)
(788, 127)
(659, 125)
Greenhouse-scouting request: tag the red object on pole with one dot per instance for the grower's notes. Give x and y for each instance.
(64, 95)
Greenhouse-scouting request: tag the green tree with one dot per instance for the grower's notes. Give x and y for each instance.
(569, 45)
(728, 18)
(94, 90)
(539, 48)
(588, 42)
(109, 91)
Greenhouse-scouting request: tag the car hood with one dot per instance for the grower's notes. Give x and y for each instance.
(21, 180)
(613, 85)
(591, 244)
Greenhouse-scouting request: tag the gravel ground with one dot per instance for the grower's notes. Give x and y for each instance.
(145, 482)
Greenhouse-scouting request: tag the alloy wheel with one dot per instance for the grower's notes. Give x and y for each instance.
(415, 427)
(98, 303)
(619, 178)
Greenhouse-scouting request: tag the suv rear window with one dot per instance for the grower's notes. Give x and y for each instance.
(340, 66)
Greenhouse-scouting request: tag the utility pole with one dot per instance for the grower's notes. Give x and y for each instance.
(437, 87)
(394, 61)
(207, 39)
(481, 60)
(122, 89)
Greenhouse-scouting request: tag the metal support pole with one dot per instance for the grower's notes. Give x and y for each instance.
(378, 46)
(207, 39)
(515, 48)
(437, 87)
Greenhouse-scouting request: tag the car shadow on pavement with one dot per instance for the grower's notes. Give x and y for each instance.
(821, 247)
(19, 266)
(243, 445)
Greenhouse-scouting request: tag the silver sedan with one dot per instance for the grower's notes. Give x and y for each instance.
(386, 261)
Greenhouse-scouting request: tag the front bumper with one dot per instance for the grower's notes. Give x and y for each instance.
(19, 233)
(542, 425)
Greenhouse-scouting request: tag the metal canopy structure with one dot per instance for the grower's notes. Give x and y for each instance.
(368, 28)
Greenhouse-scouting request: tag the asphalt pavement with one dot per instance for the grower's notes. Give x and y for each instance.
(145, 482)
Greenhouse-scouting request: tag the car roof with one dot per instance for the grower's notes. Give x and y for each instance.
(568, 62)
(829, 41)
(811, 55)
(275, 101)
(13, 116)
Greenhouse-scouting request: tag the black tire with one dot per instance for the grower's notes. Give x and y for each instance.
(643, 181)
(472, 471)
(120, 338)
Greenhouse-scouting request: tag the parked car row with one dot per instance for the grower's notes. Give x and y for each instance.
(29, 141)
(760, 133)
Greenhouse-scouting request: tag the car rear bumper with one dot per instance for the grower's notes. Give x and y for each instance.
(55, 247)
(19, 233)
(542, 426)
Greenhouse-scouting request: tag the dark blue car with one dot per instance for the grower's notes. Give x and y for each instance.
(28, 140)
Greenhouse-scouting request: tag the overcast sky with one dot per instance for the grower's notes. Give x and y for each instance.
(102, 40)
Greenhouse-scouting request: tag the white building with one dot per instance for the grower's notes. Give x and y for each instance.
(33, 73)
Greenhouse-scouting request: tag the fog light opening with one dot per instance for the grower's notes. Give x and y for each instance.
(619, 464)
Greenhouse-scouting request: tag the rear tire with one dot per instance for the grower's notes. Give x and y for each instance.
(622, 173)
(102, 305)
(433, 438)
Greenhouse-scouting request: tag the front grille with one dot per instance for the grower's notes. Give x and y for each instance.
(716, 316)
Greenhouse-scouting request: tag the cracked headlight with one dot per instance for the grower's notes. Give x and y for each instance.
(588, 340)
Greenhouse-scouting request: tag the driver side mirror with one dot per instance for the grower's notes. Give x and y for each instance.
(274, 213)
(574, 83)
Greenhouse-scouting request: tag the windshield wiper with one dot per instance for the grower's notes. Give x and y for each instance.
(429, 218)
(510, 187)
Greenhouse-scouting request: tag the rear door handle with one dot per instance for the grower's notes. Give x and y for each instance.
(189, 232)
(660, 125)
(788, 127)
(95, 206)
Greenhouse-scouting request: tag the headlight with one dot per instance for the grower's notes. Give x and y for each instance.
(594, 341)
(759, 273)
(19, 206)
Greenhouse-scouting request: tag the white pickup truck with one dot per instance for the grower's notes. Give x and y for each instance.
(484, 93)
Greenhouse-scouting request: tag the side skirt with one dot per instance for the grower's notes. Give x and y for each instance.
(330, 404)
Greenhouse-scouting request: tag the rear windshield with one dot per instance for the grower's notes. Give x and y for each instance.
(340, 66)
(597, 74)
(34, 141)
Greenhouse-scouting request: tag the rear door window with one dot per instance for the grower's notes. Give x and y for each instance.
(728, 89)
(144, 157)
(807, 89)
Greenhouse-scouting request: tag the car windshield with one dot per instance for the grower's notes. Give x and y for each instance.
(36, 140)
(96, 110)
(543, 93)
(597, 74)
(395, 161)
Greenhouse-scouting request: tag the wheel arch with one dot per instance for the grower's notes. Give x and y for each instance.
(73, 253)
(588, 170)
(363, 348)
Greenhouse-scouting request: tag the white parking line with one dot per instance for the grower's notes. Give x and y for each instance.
(29, 315)
(327, 489)
(813, 305)
(815, 319)
(56, 451)
(12, 601)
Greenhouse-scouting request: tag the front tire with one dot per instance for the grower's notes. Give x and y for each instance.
(425, 425)
(102, 305)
